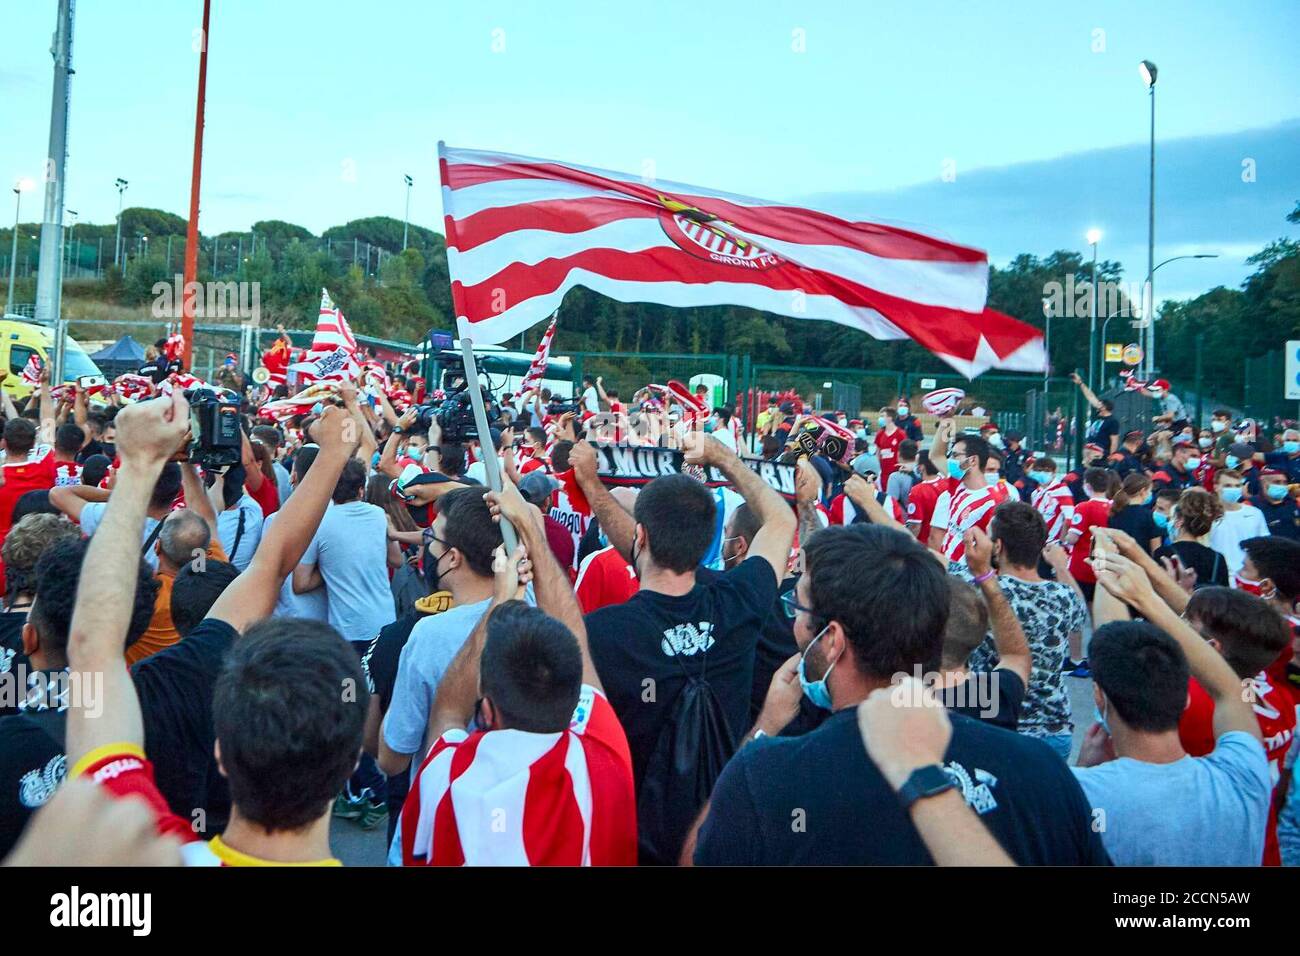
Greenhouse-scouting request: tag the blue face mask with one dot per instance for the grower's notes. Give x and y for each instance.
(1276, 492)
(1232, 461)
(881, 421)
(1042, 477)
(1147, 500)
(1161, 519)
(955, 470)
(1101, 718)
(815, 690)
(1291, 447)
(1230, 495)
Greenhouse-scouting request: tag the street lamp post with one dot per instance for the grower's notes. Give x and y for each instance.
(20, 187)
(1047, 344)
(1093, 237)
(1148, 71)
(406, 223)
(121, 185)
(68, 244)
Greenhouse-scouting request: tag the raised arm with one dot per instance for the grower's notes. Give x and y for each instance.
(1008, 635)
(388, 457)
(252, 595)
(147, 435)
(551, 582)
(776, 518)
(863, 494)
(1232, 709)
(1088, 393)
(71, 499)
(618, 525)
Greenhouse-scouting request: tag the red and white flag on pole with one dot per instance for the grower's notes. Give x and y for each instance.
(521, 232)
(537, 369)
(333, 352)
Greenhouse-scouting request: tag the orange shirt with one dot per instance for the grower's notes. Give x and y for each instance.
(161, 632)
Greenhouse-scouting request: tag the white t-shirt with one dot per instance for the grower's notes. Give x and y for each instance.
(590, 401)
(1232, 529)
(351, 550)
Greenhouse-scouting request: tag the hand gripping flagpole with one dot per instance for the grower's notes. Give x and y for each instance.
(491, 464)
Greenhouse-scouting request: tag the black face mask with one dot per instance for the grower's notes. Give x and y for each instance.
(432, 574)
(108, 448)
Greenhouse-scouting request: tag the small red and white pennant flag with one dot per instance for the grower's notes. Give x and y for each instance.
(537, 368)
(332, 356)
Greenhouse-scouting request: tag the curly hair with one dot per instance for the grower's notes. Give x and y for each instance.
(25, 544)
(1198, 510)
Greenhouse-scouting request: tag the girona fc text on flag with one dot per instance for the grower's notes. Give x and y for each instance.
(521, 232)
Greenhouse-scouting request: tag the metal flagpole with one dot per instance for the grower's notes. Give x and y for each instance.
(490, 463)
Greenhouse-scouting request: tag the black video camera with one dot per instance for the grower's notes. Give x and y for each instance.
(216, 440)
(562, 408)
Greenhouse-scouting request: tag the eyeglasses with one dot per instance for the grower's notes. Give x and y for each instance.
(429, 536)
(790, 604)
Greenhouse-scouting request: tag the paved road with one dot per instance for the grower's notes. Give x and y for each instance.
(357, 847)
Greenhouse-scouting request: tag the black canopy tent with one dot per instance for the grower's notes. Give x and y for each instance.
(124, 355)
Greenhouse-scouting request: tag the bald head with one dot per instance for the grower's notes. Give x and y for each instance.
(184, 533)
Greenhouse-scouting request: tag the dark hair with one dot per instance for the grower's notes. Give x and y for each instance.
(560, 456)
(69, 437)
(195, 590)
(907, 450)
(470, 528)
(771, 447)
(268, 435)
(974, 445)
(288, 709)
(19, 436)
(1168, 494)
(302, 460)
(1134, 484)
(1251, 633)
(34, 502)
(678, 513)
(1100, 480)
(536, 434)
(860, 575)
(378, 493)
(57, 573)
(167, 487)
(1107, 404)
(1143, 673)
(744, 521)
(1022, 531)
(94, 469)
(1277, 559)
(531, 669)
(451, 460)
(928, 468)
(351, 480)
(95, 422)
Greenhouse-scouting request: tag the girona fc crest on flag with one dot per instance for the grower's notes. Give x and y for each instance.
(704, 235)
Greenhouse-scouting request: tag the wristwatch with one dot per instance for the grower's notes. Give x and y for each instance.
(924, 782)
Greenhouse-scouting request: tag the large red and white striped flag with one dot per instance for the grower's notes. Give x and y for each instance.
(521, 232)
(537, 368)
(333, 352)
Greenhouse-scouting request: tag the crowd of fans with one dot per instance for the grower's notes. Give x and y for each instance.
(213, 664)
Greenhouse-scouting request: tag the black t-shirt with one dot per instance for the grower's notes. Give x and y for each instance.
(1101, 430)
(818, 799)
(644, 647)
(1210, 566)
(12, 659)
(158, 369)
(380, 660)
(775, 646)
(175, 690)
(1136, 521)
(994, 696)
(32, 766)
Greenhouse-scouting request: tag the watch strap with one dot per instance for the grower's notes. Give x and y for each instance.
(928, 781)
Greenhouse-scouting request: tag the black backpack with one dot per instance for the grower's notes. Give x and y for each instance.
(694, 744)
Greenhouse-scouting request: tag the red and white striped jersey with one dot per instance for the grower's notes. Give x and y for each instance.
(513, 798)
(1055, 502)
(570, 508)
(957, 511)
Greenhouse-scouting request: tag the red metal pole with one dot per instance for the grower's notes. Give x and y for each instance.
(192, 231)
